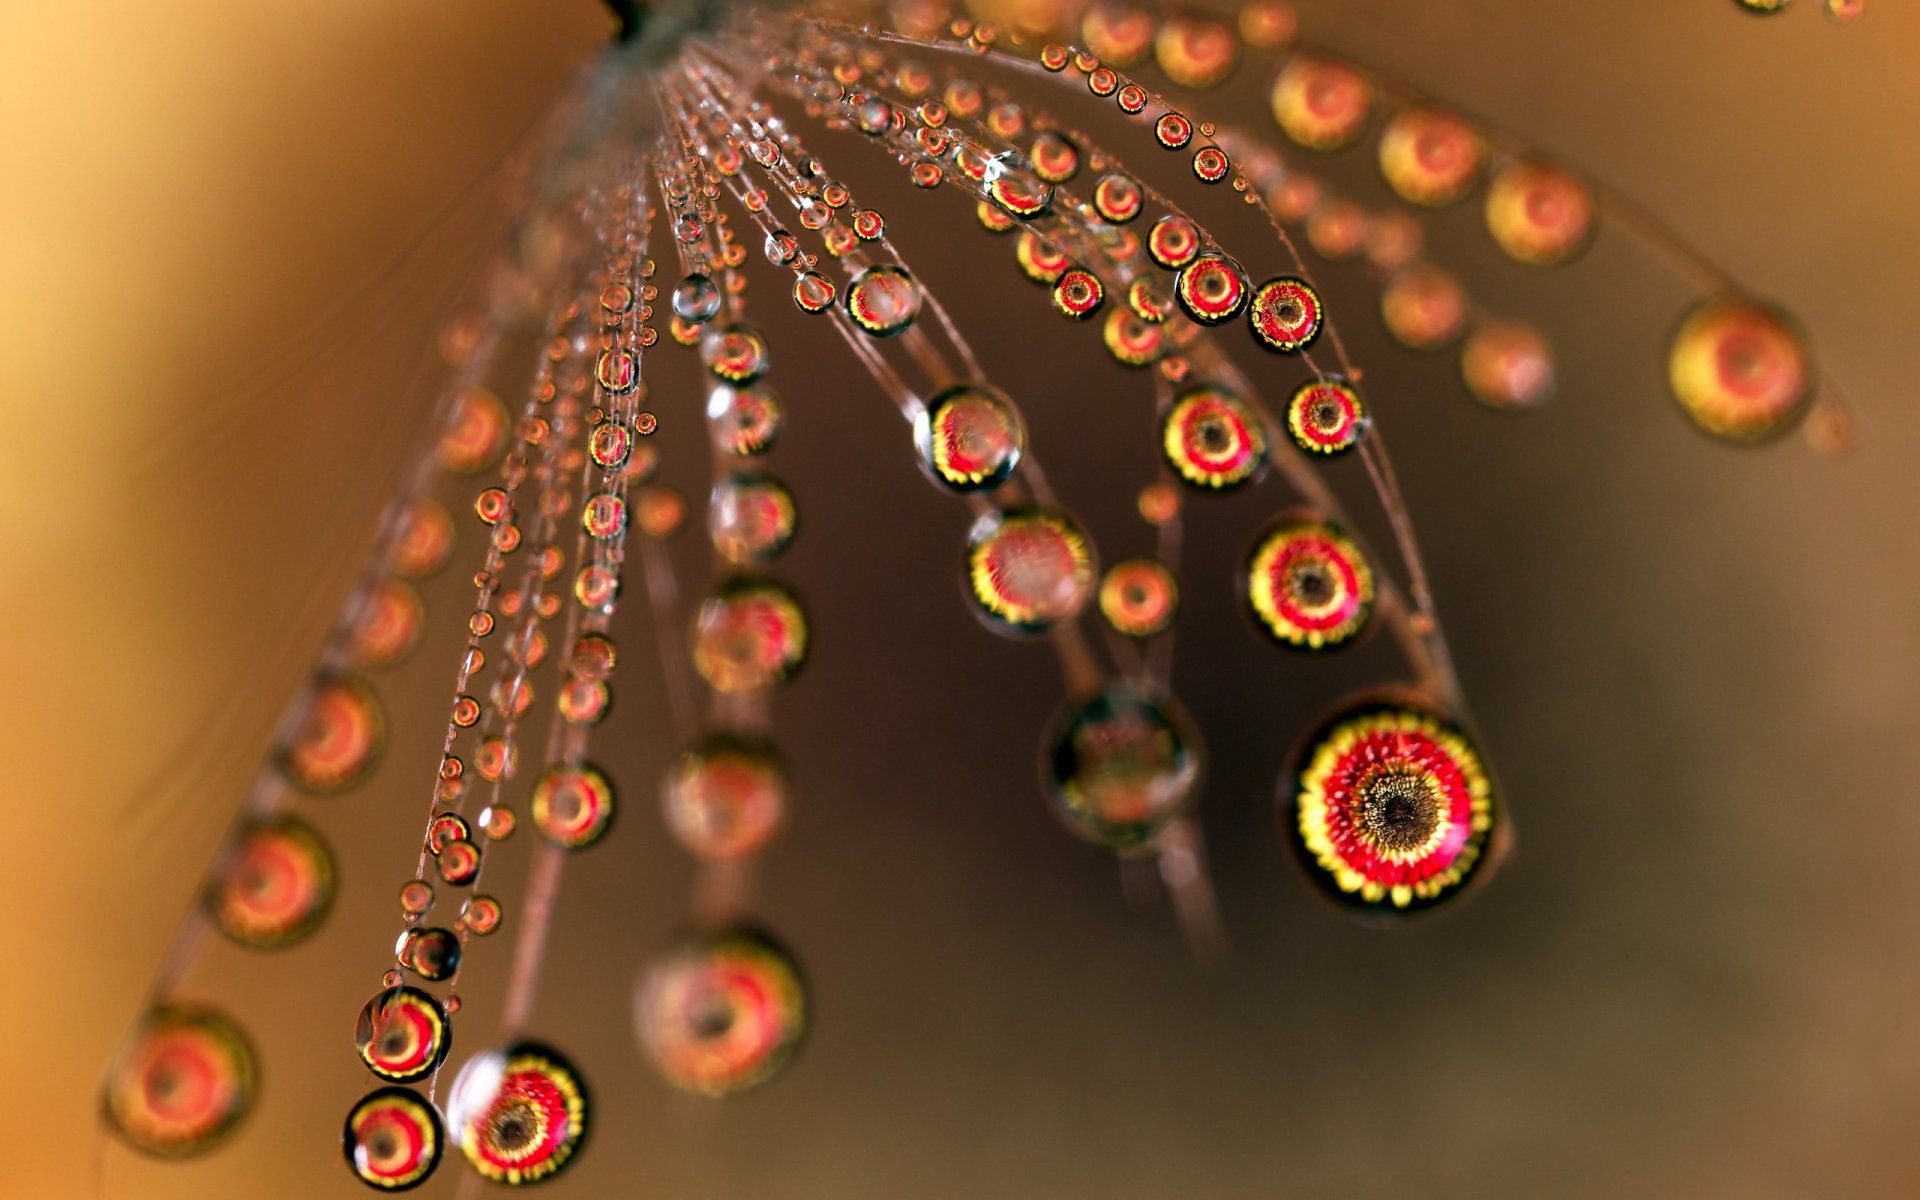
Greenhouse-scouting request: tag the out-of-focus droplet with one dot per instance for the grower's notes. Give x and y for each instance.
(1269, 24)
(1118, 199)
(499, 822)
(751, 518)
(1423, 307)
(1741, 370)
(1430, 157)
(744, 421)
(1054, 157)
(423, 541)
(737, 354)
(1121, 764)
(275, 886)
(726, 797)
(1196, 50)
(1507, 364)
(1173, 242)
(183, 1080)
(1337, 230)
(1131, 341)
(1039, 260)
(1320, 104)
(1540, 214)
(1138, 597)
(722, 1013)
(475, 435)
(750, 634)
(386, 625)
(1029, 569)
(339, 739)
(1119, 32)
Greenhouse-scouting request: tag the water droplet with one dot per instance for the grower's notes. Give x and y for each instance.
(1320, 104)
(696, 298)
(1121, 765)
(1213, 439)
(1326, 416)
(751, 518)
(1028, 569)
(573, 805)
(883, 300)
(402, 1035)
(1540, 214)
(1308, 585)
(1430, 157)
(183, 1080)
(723, 1013)
(481, 915)
(727, 797)
(275, 884)
(970, 437)
(750, 634)
(393, 1139)
(416, 896)
(1391, 806)
(519, 1113)
(432, 954)
(1138, 597)
(1741, 369)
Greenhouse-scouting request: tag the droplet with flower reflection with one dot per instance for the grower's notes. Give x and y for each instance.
(183, 1080)
(519, 1114)
(1391, 808)
(402, 1034)
(276, 886)
(970, 437)
(1308, 585)
(1122, 764)
(393, 1139)
(722, 1013)
(1740, 369)
(1029, 569)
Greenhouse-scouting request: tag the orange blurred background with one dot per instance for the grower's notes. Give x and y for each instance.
(228, 233)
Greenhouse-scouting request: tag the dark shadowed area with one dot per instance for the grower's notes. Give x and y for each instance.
(228, 235)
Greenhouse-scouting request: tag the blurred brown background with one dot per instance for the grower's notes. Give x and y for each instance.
(1694, 667)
